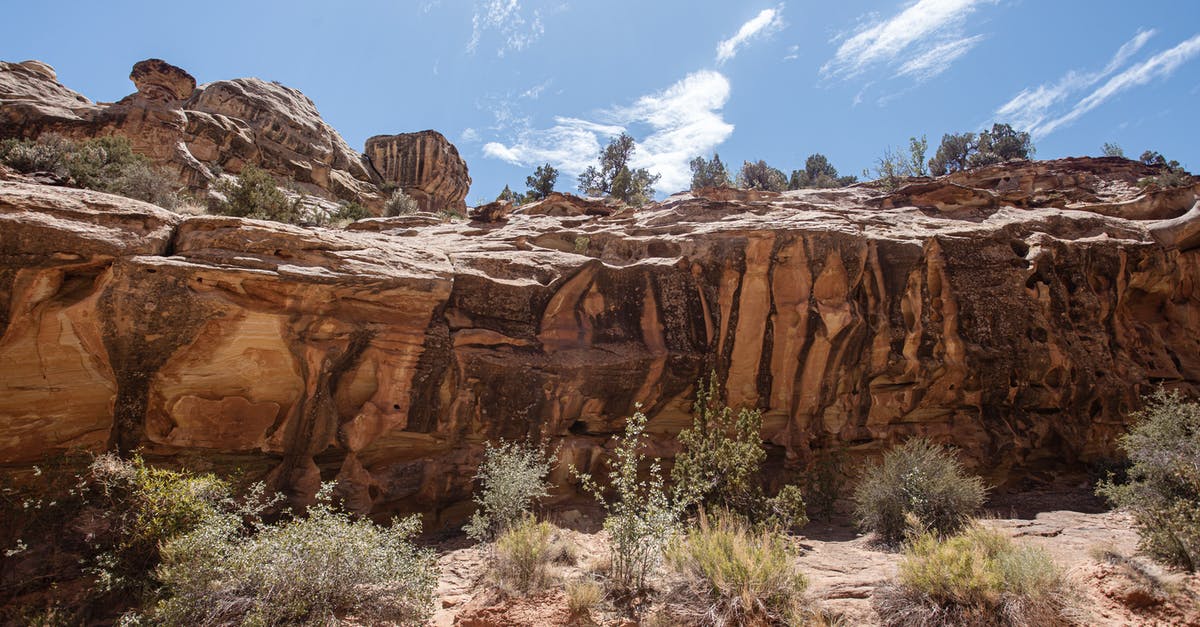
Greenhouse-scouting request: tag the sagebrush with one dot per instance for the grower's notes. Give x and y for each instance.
(106, 164)
(918, 483)
(255, 194)
(313, 569)
(399, 204)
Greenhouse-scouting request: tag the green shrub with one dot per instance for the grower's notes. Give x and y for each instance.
(917, 482)
(49, 153)
(641, 517)
(977, 578)
(1163, 486)
(106, 164)
(512, 478)
(352, 211)
(747, 576)
(719, 465)
(143, 507)
(310, 570)
(523, 556)
(400, 204)
(254, 194)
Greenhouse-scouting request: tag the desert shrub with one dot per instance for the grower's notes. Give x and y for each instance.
(400, 204)
(143, 182)
(641, 517)
(351, 211)
(307, 570)
(1163, 480)
(979, 577)
(582, 596)
(49, 153)
(719, 464)
(106, 164)
(1111, 149)
(254, 194)
(512, 478)
(746, 575)
(759, 175)
(1170, 173)
(523, 556)
(139, 508)
(917, 482)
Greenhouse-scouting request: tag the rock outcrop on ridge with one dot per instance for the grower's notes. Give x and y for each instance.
(198, 132)
(1017, 312)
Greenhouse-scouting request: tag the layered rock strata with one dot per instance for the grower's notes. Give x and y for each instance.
(1018, 320)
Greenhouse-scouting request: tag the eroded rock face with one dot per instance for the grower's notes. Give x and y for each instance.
(425, 165)
(158, 80)
(384, 356)
(224, 126)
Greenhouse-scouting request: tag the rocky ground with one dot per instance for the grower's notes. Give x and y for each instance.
(1097, 548)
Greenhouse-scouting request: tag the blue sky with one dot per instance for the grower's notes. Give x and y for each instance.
(515, 83)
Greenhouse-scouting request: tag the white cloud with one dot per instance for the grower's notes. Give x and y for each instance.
(767, 22)
(468, 136)
(938, 59)
(921, 41)
(1039, 110)
(1030, 108)
(571, 145)
(684, 120)
(508, 20)
(535, 92)
(793, 52)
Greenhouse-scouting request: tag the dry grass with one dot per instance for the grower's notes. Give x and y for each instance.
(524, 556)
(582, 596)
(977, 578)
(742, 575)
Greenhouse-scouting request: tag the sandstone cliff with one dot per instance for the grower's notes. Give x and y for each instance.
(199, 132)
(1017, 311)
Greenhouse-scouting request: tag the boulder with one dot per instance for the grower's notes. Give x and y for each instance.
(425, 165)
(158, 80)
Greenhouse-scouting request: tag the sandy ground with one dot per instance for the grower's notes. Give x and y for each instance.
(844, 569)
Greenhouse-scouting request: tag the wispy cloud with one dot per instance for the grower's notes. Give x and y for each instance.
(684, 120)
(509, 21)
(767, 22)
(1041, 110)
(938, 59)
(468, 136)
(793, 53)
(535, 92)
(921, 41)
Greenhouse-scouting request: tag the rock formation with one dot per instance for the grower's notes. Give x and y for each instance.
(1018, 312)
(198, 132)
(425, 165)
